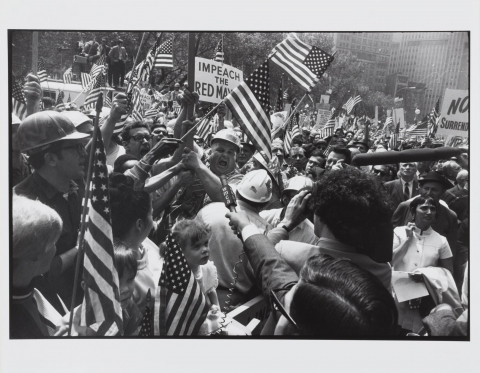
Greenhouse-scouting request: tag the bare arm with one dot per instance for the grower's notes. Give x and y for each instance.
(157, 181)
(33, 94)
(400, 251)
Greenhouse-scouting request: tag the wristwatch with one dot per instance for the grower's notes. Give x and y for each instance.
(281, 225)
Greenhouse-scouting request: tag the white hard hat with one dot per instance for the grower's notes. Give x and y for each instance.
(227, 135)
(256, 186)
(298, 183)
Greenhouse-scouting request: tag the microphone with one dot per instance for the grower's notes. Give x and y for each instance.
(227, 194)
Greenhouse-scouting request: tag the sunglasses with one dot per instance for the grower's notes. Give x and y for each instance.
(381, 173)
(278, 306)
(139, 138)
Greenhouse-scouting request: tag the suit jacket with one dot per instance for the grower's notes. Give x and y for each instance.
(115, 52)
(395, 190)
(445, 224)
(457, 200)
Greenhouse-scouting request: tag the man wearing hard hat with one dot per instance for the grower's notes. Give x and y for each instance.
(253, 193)
(56, 151)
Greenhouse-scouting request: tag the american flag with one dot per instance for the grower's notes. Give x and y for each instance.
(328, 128)
(286, 95)
(147, 65)
(147, 326)
(292, 130)
(41, 72)
(107, 101)
(86, 82)
(388, 122)
(279, 106)
(218, 53)
(164, 57)
(419, 129)
(67, 76)
(96, 91)
(151, 113)
(304, 63)
(179, 302)
(99, 67)
(101, 308)
(205, 127)
(19, 102)
(249, 103)
(350, 104)
(434, 118)
(394, 137)
(60, 105)
(137, 112)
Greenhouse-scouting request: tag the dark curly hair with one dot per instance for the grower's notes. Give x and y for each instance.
(125, 134)
(127, 204)
(355, 207)
(336, 298)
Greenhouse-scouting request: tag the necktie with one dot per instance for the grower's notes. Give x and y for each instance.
(406, 192)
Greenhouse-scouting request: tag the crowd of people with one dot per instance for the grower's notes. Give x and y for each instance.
(318, 237)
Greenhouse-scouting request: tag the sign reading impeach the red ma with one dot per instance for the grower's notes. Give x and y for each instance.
(214, 80)
(453, 119)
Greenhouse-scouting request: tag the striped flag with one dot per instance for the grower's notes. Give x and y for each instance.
(218, 53)
(180, 304)
(286, 95)
(97, 89)
(19, 103)
(41, 72)
(60, 105)
(107, 101)
(328, 128)
(350, 104)
(101, 308)
(204, 129)
(99, 67)
(164, 57)
(86, 82)
(434, 118)
(147, 65)
(279, 106)
(292, 130)
(137, 112)
(419, 129)
(394, 137)
(249, 103)
(304, 63)
(67, 76)
(388, 122)
(151, 113)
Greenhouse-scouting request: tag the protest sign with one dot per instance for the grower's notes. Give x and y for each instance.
(453, 119)
(214, 80)
(322, 116)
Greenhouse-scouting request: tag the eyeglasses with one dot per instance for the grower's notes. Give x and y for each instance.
(277, 306)
(139, 138)
(381, 173)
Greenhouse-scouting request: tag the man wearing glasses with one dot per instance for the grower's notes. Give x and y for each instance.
(382, 172)
(56, 152)
(136, 139)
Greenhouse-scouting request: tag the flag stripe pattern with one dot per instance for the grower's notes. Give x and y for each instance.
(60, 105)
(86, 82)
(350, 104)
(434, 118)
(249, 103)
(164, 58)
(147, 65)
(99, 67)
(419, 129)
(19, 102)
(41, 72)
(101, 306)
(182, 305)
(292, 129)
(304, 63)
(218, 53)
(394, 137)
(99, 85)
(67, 76)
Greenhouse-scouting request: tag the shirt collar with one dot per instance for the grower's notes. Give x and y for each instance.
(49, 190)
(406, 182)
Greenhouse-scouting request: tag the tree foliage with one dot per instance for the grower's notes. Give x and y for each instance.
(243, 50)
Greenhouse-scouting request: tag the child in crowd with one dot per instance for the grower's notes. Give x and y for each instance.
(192, 236)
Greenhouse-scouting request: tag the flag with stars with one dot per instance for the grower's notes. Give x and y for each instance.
(434, 119)
(67, 76)
(101, 308)
(304, 63)
(41, 72)
(180, 304)
(164, 57)
(19, 103)
(249, 103)
(292, 129)
(96, 91)
(147, 65)
(147, 326)
(218, 53)
(60, 105)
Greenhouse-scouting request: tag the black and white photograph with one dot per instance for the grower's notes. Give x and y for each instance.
(211, 188)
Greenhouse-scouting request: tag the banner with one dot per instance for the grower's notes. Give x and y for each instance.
(214, 80)
(453, 119)
(322, 116)
(398, 115)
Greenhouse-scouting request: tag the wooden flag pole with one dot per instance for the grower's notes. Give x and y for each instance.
(191, 71)
(200, 121)
(135, 61)
(81, 235)
(35, 52)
